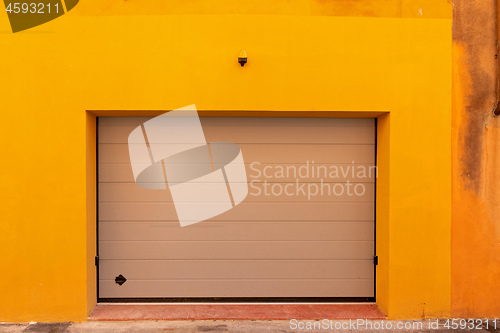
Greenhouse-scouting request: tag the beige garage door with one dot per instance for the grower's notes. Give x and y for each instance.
(305, 229)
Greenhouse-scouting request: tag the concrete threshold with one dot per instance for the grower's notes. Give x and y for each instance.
(234, 311)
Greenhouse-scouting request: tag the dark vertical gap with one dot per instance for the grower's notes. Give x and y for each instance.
(375, 212)
(97, 201)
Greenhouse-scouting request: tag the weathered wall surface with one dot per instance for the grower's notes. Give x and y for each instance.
(359, 8)
(475, 162)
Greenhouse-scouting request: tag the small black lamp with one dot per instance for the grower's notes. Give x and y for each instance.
(242, 58)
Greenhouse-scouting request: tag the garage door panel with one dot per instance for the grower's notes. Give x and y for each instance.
(208, 122)
(122, 173)
(240, 288)
(122, 121)
(279, 122)
(272, 244)
(130, 192)
(250, 211)
(236, 250)
(237, 230)
(111, 153)
(258, 192)
(259, 134)
(235, 269)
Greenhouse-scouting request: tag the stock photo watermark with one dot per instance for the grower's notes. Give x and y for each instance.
(204, 179)
(383, 325)
(310, 179)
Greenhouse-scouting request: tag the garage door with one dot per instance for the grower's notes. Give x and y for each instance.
(305, 229)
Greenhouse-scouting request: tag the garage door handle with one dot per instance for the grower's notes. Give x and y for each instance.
(120, 279)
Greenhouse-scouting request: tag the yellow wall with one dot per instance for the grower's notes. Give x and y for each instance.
(53, 74)
(362, 8)
(91, 211)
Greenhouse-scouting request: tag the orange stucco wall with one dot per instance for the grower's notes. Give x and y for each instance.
(476, 162)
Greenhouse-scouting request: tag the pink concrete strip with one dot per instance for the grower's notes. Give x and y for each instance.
(108, 312)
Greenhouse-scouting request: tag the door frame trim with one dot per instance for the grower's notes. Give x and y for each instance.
(379, 116)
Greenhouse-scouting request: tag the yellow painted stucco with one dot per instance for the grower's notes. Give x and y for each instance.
(357, 8)
(55, 78)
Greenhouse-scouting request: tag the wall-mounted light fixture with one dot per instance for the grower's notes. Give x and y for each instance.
(242, 58)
